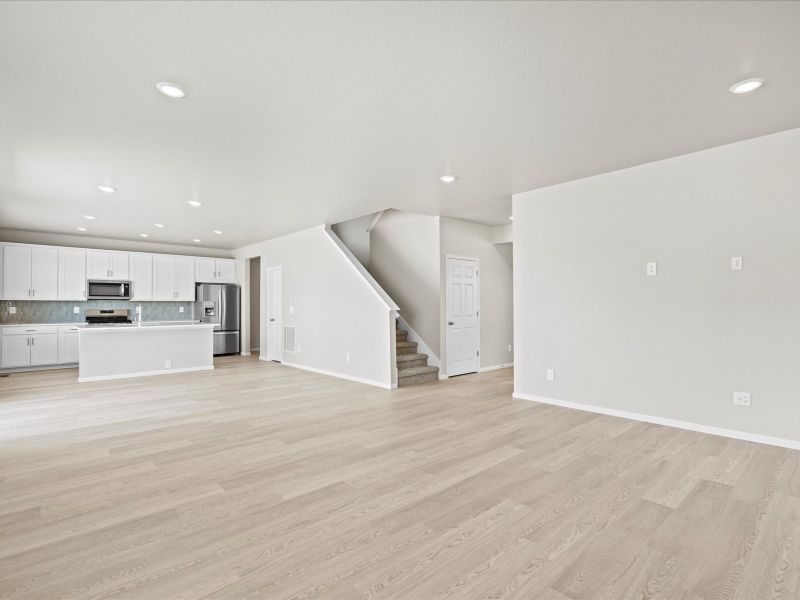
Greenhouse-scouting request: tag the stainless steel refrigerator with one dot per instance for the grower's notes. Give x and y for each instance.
(219, 303)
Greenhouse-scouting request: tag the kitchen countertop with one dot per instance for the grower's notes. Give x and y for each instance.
(83, 324)
(149, 325)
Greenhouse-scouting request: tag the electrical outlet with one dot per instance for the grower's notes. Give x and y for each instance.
(652, 269)
(347, 357)
(76, 310)
(736, 263)
(167, 364)
(180, 309)
(551, 375)
(298, 349)
(291, 310)
(741, 398)
(12, 310)
(509, 347)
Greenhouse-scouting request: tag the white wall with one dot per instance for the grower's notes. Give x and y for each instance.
(335, 311)
(676, 345)
(466, 238)
(82, 241)
(404, 259)
(355, 236)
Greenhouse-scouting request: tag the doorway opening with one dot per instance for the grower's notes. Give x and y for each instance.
(254, 270)
(274, 341)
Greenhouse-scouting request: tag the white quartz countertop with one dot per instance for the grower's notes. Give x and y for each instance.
(149, 325)
(84, 324)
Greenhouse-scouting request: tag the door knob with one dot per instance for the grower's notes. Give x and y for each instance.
(450, 323)
(272, 320)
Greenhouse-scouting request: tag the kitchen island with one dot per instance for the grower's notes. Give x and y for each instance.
(141, 349)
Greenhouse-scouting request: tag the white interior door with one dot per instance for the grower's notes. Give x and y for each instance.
(274, 313)
(462, 312)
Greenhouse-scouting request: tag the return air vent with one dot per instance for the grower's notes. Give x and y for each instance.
(288, 339)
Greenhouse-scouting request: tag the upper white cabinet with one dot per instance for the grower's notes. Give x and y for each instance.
(141, 276)
(71, 274)
(173, 278)
(215, 270)
(105, 264)
(30, 273)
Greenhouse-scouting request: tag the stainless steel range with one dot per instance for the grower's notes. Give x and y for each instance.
(108, 316)
(219, 303)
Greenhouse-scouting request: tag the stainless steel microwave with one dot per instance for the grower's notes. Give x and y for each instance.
(108, 290)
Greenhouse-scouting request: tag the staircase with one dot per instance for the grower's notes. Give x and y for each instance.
(412, 367)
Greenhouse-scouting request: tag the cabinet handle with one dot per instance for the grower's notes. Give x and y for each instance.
(34, 292)
(33, 341)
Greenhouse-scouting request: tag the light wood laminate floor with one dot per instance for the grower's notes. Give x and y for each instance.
(262, 481)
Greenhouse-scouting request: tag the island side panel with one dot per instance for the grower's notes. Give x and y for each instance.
(135, 352)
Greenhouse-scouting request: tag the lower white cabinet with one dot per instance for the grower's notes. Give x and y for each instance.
(16, 351)
(29, 346)
(67, 344)
(44, 349)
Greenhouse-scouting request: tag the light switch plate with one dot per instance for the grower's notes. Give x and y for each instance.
(652, 269)
(291, 310)
(736, 263)
(76, 310)
(551, 375)
(741, 398)
(347, 357)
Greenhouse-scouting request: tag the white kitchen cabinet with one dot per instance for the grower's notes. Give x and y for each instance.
(67, 345)
(16, 351)
(2, 252)
(215, 270)
(141, 266)
(44, 349)
(71, 274)
(163, 278)
(29, 346)
(173, 278)
(184, 279)
(17, 272)
(107, 265)
(30, 273)
(226, 270)
(205, 269)
(44, 273)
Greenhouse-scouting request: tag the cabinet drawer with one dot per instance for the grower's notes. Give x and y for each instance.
(69, 329)
(31, 330)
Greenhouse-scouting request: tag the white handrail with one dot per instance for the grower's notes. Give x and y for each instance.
(356, 264)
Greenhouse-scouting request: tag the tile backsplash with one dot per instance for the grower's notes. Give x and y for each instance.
(62, 312)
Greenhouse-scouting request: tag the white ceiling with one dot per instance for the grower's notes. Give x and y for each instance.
(300, 114)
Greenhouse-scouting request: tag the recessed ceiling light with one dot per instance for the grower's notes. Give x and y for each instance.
(81, 228)
(173, 90)
(195, 203)
(90, 217)
(196, 241)
(107, 189)
(448, 178)
(748, 85)
(217, 231)
(144, 235)
(159, 225)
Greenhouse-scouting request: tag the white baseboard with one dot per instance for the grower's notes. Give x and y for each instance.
(495, 367)
(443, 376)
(380, 384)
(144, 374)
(624, 414)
